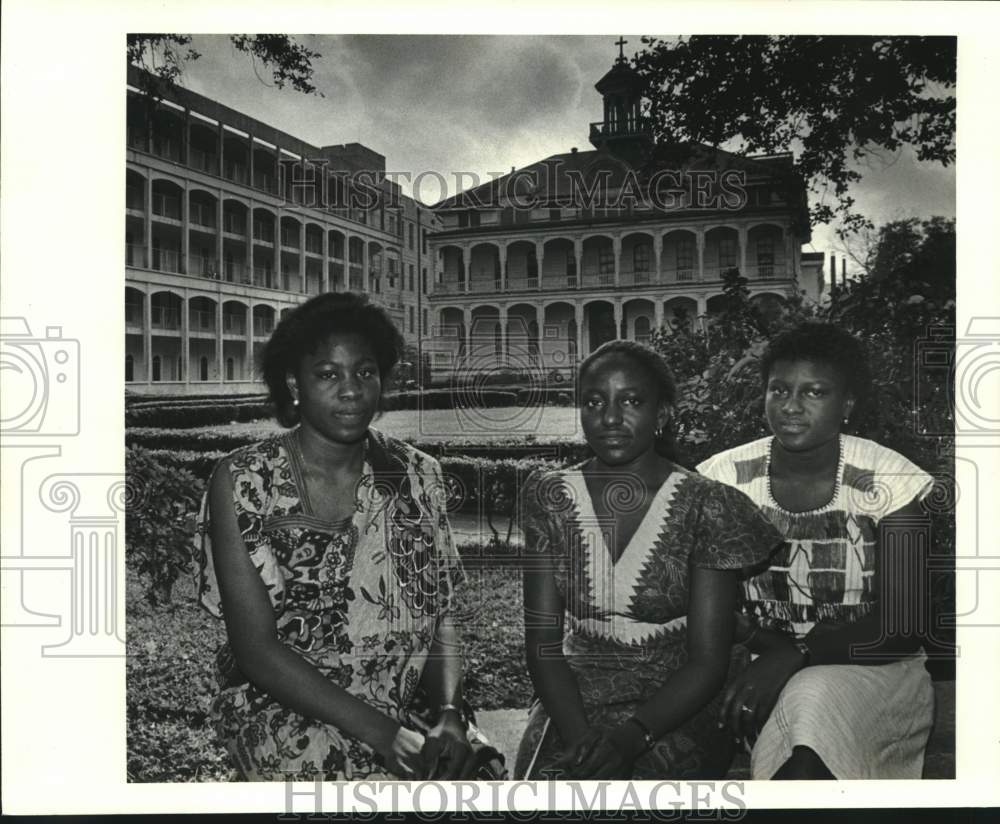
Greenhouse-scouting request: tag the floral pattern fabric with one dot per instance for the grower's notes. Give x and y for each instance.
(360, 600)
(625, 628)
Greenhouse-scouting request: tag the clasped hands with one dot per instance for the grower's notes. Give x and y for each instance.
(444, 753)
(750, 698)
(600, 753)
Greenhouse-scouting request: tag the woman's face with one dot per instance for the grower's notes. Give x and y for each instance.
(620, 409)
(338, 388)
(805, 403)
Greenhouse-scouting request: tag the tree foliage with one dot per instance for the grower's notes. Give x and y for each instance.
(842, 101)
(164, 56)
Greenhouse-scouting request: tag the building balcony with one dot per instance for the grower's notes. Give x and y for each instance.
(234, 325)
(165, 319)
(637, 277)
(135, 255)
(262, 327)
(598, 279)
(201, 321)
(202, 217)
(622, 128)
(680, 275)
(204, 267)
(166, 260)
(767, 271)
(167, 209)
(203, 161)
(237, 173)
(233, 272)
(133, 317)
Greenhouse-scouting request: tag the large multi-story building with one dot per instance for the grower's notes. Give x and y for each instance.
(230, 222)
(536, 272)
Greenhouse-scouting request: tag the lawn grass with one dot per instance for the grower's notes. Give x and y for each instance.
(170, 682)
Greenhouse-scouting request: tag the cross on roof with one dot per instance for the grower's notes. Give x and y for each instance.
(620, 43)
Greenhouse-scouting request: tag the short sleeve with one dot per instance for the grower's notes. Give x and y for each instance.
(251, 484)
(731, 532)
(718, 469)
(891, 483)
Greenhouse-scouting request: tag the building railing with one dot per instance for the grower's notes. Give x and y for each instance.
(135, 255)
(234, 324)
(163, 318)
(201, 215)
(237, 172)
(134, 200)
(166, 206)
(263, 327)
(206, 267)
(203, 161)
(263, 233)
(637, 277)
(133, 314)
(201, 320)
(262, 276)
(264, 182)
(166, 260)
(598, 278)
(290, 239)
(234, 225)
(680, 275)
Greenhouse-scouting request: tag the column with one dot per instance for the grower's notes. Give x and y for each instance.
(790, 270)
(578, 254)
(503, 335)
(618, 319)
(365, 276)
(185, 228)
(219, 358)
(185, 339)
(540, 259)
(222, 149)
(147, 333)
(702, 305)
(467, 264)
(657, 248)
(247, 370)
(467, 320)
(303, 285)
(93, 505)
(578, 316)
(502, 255)
(219, 228)
(148, 224)
(325, 249)
(279, 273)
(700, 240)
(186, 143)
(249, 261)
(540, 322)
(250, 182)
(616, 243)
(743, 251)
(658, 313)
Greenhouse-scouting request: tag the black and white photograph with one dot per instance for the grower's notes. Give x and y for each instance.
(586, 420)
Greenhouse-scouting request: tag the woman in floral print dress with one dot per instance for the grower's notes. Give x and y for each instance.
(630, 582)
(327, 551)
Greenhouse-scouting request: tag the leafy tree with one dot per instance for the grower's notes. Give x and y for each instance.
(164, 56)
(839, 99)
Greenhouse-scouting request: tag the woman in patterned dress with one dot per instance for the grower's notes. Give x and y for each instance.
(838, 691)
(327, 551)
(630, 579)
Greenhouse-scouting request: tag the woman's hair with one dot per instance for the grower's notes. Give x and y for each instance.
(304, 328)
(661, 376)
(821, 342)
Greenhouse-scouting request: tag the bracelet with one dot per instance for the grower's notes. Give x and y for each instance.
(647, 735)
(451, 708)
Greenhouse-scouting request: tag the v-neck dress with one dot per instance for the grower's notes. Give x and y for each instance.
(625, 626)
(359, 600)
(865, 722)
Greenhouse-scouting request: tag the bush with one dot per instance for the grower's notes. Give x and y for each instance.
(189, 416)
(158, 521)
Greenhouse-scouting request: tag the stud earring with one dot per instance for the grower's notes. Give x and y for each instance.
(847, 418)
(295, 402)
(659, 432)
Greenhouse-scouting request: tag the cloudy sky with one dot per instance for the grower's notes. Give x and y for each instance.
(482, 104)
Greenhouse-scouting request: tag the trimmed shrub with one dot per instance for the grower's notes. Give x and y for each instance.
(159, 520)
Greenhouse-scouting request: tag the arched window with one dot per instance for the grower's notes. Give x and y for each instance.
(156, 368)
(230, 369)
(642, 334)
(203, 368)
(129, 367)
(640, 257)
